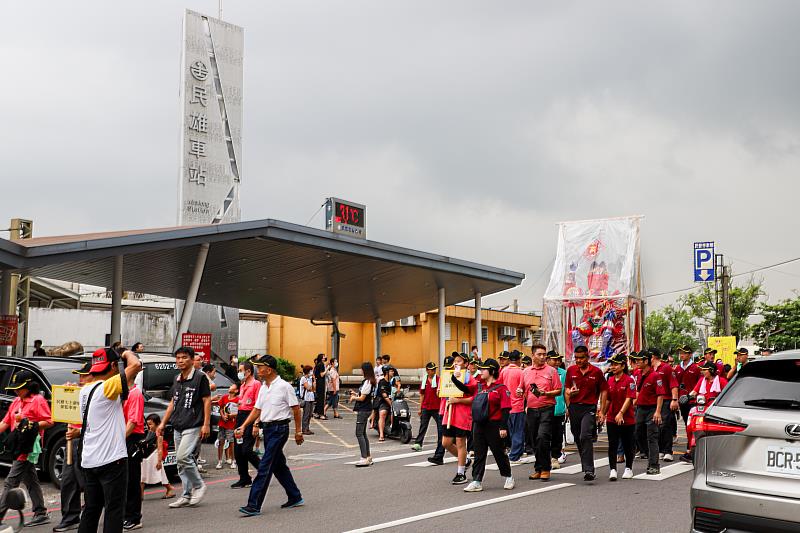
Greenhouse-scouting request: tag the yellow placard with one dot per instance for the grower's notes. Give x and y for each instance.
(447, 388)
(66, 404)
(725, 346)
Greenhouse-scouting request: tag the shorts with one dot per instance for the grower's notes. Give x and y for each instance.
(333, 400)
(225, 435)
(455, 432)
(384, 407)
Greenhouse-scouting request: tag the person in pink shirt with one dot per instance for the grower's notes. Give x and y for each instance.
(512, 376)
(540, 386)
(134, 432)
(243, 451)
(28, 406)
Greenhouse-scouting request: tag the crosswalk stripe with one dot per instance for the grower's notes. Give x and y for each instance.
(393, 457)
(574, 469)
(523, 460)
(667, 472)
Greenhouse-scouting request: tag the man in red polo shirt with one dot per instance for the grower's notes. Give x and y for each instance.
(540, 385)
(585, 385)
(649, 402)
(512, 378)
(710, 354)
(669, 427)
(429, 409)
(687, 374)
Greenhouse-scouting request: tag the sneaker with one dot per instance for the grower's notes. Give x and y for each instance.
(67, 527)
(249, 512)
(241, 484)
(233, 465)
(668, 458)
(468, 463)
(515, 462)
(612, 475)
(201, 469)
(38, 520)
(197, 495)
(660, 456)
(416, 447)
(475, 486)
(653, 470)
(535, 475)
(471, 454)
(201, 461)
(436, 460)
(628, 474)
(219, 465)
(588, 476)
(554, 464)
(460, 479)
(687, 458)
(509, 484)
(230, 461)
(640, 455)
(366, 461)
(288, 505)
(562, 459)
(180, 502)
(128, 525)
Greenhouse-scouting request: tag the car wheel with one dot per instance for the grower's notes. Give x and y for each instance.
(57, 460)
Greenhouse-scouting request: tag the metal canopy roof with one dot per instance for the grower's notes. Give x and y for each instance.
(264, 265)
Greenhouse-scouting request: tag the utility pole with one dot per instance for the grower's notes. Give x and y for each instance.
(726, 300)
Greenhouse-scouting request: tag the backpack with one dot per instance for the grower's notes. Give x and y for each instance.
(480, 404)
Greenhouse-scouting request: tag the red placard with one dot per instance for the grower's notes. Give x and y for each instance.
(200, 343)
(8, 330)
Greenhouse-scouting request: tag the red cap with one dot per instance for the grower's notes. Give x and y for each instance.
(100, 361)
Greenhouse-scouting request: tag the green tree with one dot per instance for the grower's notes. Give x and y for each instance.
(669, 328)
(744, 302)
(781, 326)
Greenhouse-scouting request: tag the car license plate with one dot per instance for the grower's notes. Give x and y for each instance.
(170, 460)
(783, 460)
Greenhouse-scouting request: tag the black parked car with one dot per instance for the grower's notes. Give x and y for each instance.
(57, 371)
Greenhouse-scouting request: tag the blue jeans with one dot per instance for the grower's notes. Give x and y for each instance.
(516, 428)
(273, 463)
(185, 443)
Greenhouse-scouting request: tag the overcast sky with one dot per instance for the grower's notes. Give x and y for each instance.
(467, 128)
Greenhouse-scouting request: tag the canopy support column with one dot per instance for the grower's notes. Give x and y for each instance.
(191, 296)
(441, 326)
(116, 300)
(478, 325)
(377, 338)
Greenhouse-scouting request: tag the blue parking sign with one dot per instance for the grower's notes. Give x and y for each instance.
(704, 261)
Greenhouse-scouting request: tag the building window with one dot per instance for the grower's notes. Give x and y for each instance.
(447, 328)
(464, 347)
(484, 335)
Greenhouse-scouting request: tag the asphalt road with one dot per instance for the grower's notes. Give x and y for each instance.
(340, 497)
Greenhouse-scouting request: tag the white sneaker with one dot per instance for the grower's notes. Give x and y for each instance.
(509, 484)
(515, 463)
(201, 461)
(365, 461)
(562, 459)
(628, 474)
(475, 486)
(230, 461)
(197, 495)
(668, 458)
(471, 455)
(219, 465)
(661, 456)
(180, 502)
(554, 464)
(233, 464)
(612, 475)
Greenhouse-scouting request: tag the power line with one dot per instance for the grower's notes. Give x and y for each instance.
(733, 276)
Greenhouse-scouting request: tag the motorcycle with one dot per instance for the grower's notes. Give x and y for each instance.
(695, 416)
(400, 428)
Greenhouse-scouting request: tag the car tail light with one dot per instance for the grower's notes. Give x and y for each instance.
(708, 520)
(709, 426)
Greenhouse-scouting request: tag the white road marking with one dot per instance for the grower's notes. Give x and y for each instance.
(391, 457)
(667, 472)
(524, 460)
(575, 469)
(447, 460)
(342, 442)
(460, 508)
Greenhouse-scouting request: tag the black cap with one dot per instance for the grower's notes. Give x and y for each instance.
(698, 358)
(685, 349)
(709, 350)
(526, 359)
(515, 355)
(709, 365)
(618, 358)
(655, 352)
(489, 364)
(431, 366)
(21, 380)
(552, 354)
(503, 355)
(639, 356)
(448, 362)
(84, 370)
(265, 360)
(742, 351)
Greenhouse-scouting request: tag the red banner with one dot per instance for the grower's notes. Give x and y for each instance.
(200, 343)
(8, 330)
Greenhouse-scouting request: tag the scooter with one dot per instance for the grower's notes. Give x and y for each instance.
(15, 500)
(697, 413)
(400, 428)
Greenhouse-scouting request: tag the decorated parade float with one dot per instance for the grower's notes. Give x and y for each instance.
(594, 297)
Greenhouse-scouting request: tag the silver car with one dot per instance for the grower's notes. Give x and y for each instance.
(747, 461)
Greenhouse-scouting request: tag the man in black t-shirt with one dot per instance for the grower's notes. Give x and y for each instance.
(189, 411)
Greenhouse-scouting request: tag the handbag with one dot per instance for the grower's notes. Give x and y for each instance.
(146, 446)
(480, 405)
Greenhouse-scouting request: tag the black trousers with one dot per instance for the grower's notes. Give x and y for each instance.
(557, 442)
(539, 422)
(667, 429)
(584, 424)
(486, 437)
(133, 505)
(617, 433)
(72, 483)
(244, 452)
(105, 492)
(685, 408)
(647, 432)
(319, 399)
(424, 419)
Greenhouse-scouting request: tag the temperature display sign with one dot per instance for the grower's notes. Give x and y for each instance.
(346, 218)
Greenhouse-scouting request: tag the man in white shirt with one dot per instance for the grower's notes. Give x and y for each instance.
(275, 406)
(104, 455)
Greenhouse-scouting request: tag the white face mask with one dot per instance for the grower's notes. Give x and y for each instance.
(240, 375)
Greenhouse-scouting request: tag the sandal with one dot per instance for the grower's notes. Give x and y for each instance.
(323, 417)
(381, 440)
(167, 495)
